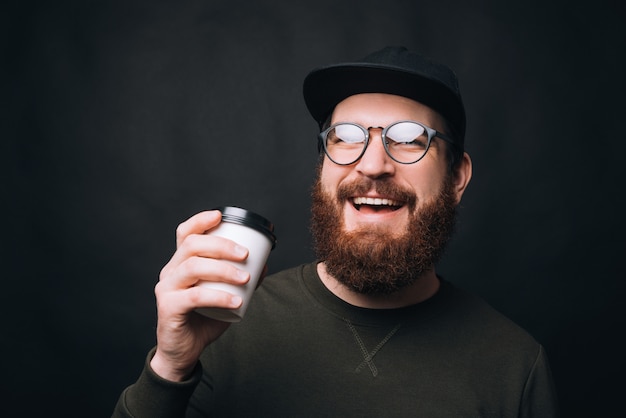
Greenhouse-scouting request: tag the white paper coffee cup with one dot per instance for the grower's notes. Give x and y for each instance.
(254, 232)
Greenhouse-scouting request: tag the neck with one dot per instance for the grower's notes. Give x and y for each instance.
(423, 288)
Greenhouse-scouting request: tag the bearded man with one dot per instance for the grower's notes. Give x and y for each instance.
(369, 329)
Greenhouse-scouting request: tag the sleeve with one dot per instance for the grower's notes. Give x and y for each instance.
(152, 396)
(539, 399)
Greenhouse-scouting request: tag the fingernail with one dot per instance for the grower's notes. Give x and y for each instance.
(242, 275)
(236, 301)
(240, 251)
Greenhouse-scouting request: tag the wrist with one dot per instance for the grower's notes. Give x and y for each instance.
(167, 370)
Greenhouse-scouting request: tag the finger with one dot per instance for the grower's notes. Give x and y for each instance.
(196, 269)
(208, 246)
(198, 224)
(186, 300)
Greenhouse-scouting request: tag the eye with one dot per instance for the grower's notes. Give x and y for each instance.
(419, 143)
(350, 134)
(407, 134)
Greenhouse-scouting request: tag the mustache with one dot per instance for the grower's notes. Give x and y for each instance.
(385, 188)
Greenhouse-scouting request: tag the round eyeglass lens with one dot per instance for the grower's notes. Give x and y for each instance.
(344, 143)
(406, 142)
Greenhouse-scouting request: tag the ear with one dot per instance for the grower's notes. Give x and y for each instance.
(462, 176)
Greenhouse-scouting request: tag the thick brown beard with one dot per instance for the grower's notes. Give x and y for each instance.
(374, 260)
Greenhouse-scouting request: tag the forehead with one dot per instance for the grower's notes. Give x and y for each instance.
(380, 109)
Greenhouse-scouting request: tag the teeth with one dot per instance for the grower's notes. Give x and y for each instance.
(375, 201)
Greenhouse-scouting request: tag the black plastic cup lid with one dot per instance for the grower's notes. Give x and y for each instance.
(245, 217)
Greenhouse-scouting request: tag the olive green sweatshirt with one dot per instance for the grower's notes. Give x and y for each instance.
(302, 352)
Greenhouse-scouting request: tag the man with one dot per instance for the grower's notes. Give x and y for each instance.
(370, 329)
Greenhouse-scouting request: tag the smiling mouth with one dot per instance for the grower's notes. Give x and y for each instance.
(376, 204)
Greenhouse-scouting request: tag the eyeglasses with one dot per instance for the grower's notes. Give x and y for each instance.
(406, 142)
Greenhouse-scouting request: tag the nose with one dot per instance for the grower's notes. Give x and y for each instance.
(375, 162)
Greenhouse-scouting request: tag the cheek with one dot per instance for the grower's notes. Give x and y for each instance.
(427, 180)
(330, 176)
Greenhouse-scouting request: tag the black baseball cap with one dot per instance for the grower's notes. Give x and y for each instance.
(391, 70)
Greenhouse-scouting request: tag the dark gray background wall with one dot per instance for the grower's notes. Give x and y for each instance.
(122, 118)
